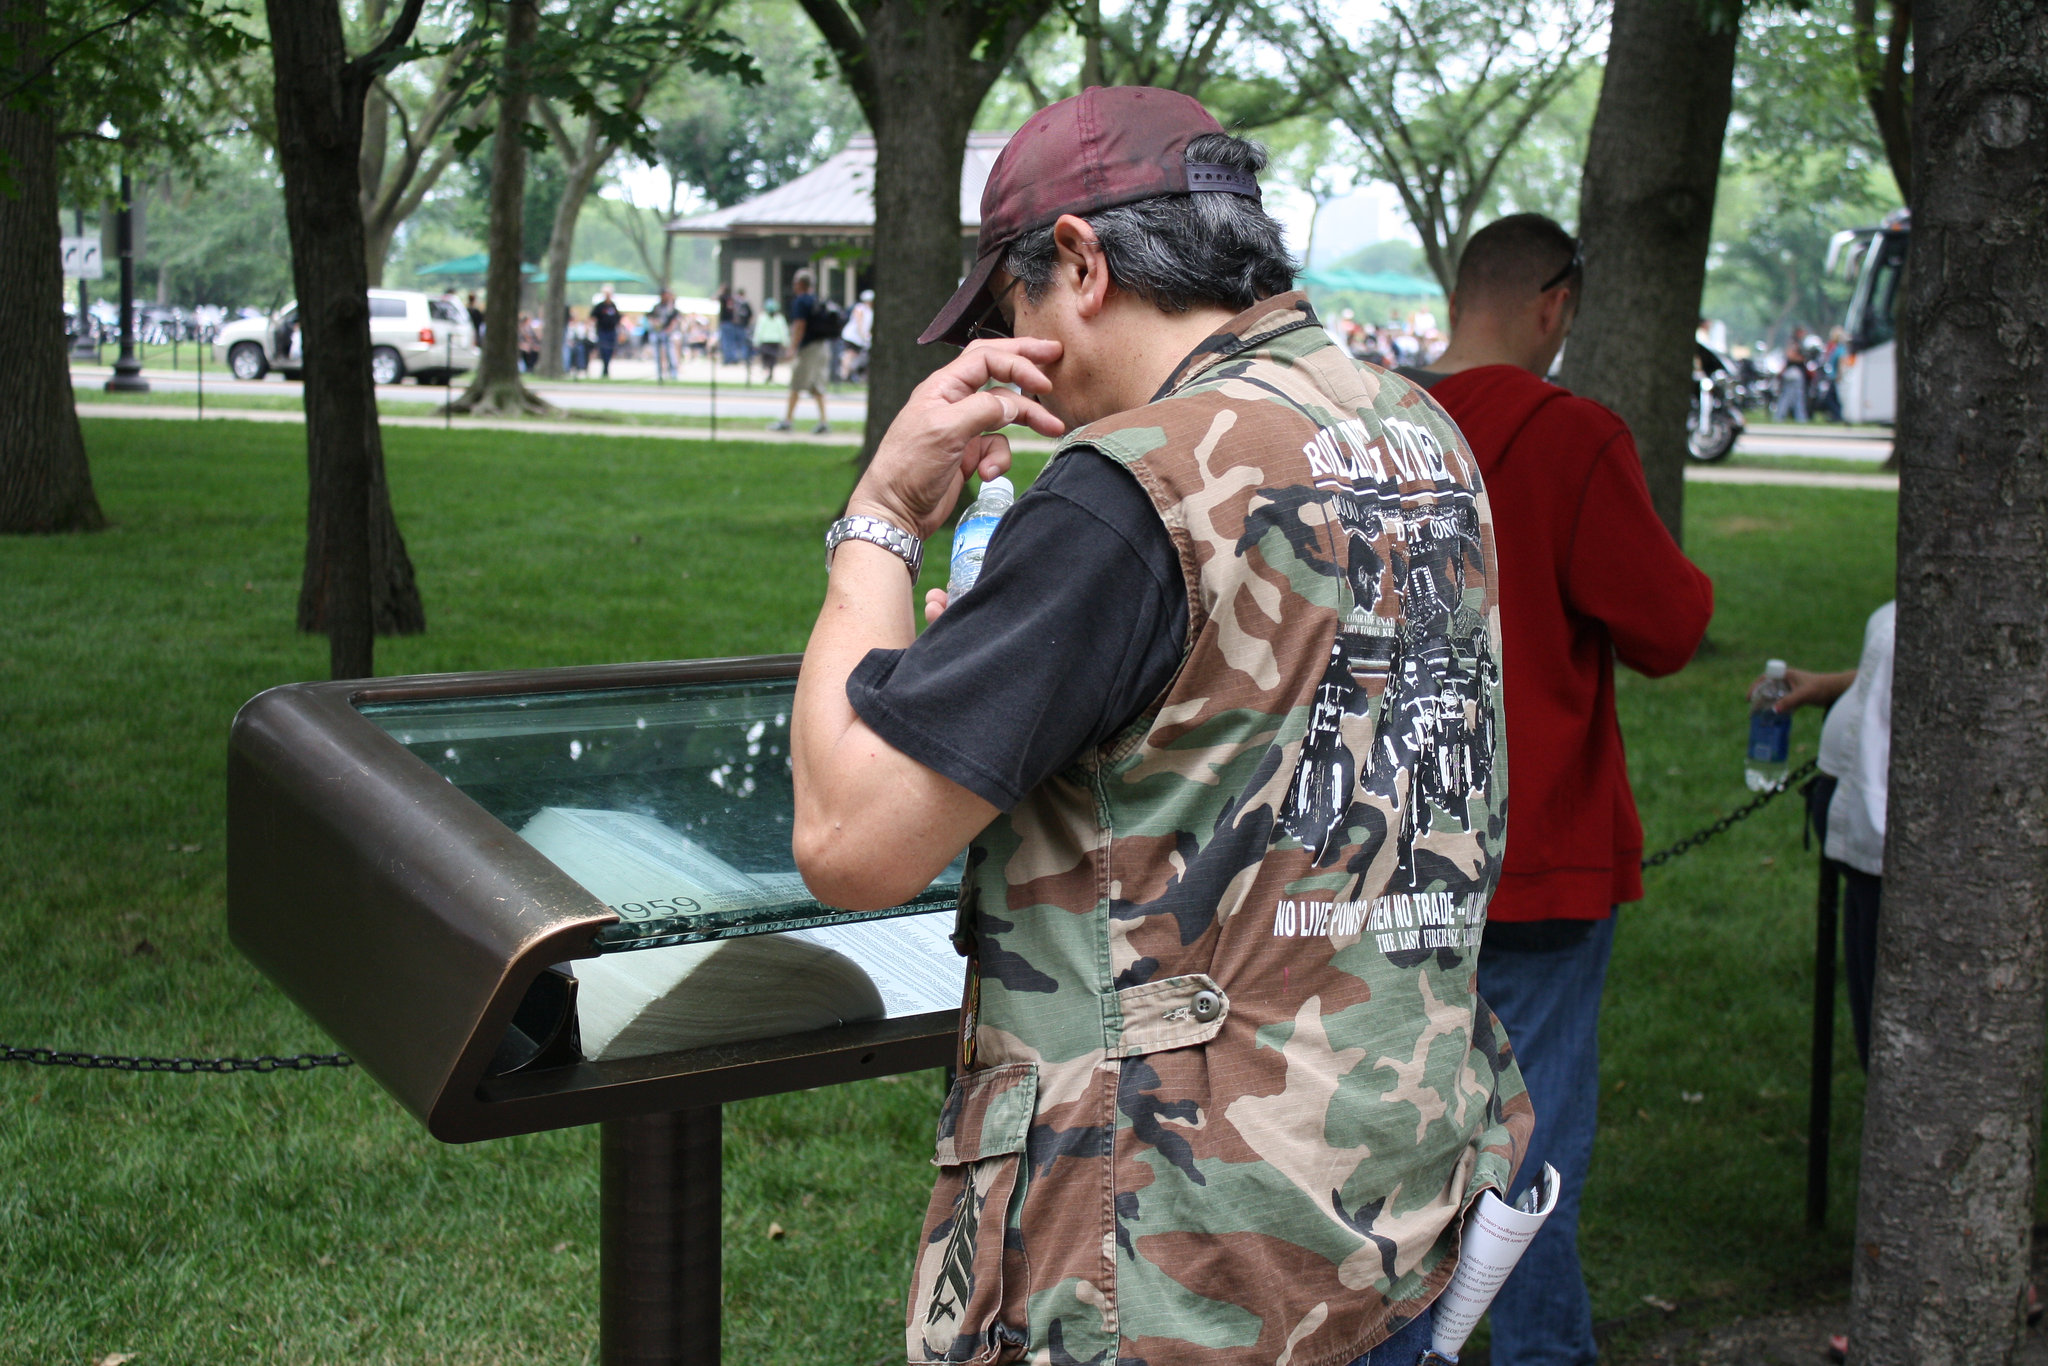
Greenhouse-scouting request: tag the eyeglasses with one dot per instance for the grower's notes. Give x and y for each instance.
(1571, 268)
(992, 324)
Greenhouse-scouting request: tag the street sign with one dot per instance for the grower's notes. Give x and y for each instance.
(82, 258)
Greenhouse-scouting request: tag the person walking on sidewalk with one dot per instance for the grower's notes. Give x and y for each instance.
(1588, 574)
(810, 340)
(604, 319)
(771, 334)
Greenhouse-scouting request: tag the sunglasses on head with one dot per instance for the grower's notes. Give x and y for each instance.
(1571, 268)
(991, 324)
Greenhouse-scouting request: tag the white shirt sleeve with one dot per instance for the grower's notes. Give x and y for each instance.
(1874, 754)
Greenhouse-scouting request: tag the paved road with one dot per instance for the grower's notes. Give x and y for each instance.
(1815, 443)
(692, 398)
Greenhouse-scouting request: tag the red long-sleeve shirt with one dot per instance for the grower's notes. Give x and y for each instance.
(1588, 574)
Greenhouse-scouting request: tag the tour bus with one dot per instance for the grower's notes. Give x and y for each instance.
(1867, 378)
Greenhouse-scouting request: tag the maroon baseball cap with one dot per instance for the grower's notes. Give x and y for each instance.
(1106, 146)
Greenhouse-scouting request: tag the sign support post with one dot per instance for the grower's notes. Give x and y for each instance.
(660, 1274)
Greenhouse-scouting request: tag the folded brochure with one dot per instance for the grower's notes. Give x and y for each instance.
(1495, 1235)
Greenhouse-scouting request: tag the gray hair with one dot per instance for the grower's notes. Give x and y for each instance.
(1178, 250)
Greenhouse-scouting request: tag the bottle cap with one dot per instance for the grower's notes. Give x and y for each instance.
(1001, 487)
(1774, 668)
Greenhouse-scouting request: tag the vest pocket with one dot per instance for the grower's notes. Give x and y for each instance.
(957, 1291)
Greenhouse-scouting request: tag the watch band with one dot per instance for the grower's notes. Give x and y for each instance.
(876, 531)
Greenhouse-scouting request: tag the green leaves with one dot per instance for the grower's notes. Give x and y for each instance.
(123, 77)
(596, 59)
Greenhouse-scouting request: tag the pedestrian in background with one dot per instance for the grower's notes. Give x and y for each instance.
(771, 334)
(604, 323)
(1792, 379)
(814, 325)
(662, 322)
(859, 335)
(529, 343)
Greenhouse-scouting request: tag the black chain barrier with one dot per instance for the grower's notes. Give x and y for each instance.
(99, 1062)
(306, 1062)
(1735, 817)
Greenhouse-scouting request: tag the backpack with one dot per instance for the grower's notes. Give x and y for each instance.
(825, 322)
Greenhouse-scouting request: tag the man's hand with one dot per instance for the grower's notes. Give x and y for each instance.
(1809, 689)
(952, 427)
(873, 825)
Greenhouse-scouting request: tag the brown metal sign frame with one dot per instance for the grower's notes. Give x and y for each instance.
(410, 922)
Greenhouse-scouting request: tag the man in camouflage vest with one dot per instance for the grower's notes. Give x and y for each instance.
(1220, 725)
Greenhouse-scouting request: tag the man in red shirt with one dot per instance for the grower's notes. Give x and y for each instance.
(1588, 575)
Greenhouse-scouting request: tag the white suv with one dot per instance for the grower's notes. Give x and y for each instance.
(410, 334)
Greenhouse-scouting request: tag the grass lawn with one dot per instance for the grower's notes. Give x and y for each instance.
(303, 1218)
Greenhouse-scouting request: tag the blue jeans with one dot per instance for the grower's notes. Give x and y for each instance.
(1549, 1002)
(1406, 1347)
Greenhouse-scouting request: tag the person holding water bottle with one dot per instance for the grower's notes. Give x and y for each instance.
(1219, 725)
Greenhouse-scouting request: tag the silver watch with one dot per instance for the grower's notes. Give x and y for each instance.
(876, 531)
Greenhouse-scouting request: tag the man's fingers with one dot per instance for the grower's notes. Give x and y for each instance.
(1010, 360)
(987, 455)
(991, 410)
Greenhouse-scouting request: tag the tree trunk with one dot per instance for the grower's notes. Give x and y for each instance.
(45, 483)
(377, 239)
(1950, 1133)
(497, 387)
(358, 577)
(913, 65)
(583, 158)
(918, 155)
(1883, 76)
(1646, 209)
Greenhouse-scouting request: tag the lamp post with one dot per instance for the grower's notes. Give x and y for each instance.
(127, 370)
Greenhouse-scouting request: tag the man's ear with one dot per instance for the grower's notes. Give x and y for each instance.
(1082, 261)
(1554, 313)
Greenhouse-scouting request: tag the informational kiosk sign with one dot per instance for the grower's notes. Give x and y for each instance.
(530, 900)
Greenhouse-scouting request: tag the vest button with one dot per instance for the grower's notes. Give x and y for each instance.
(1206, 1006)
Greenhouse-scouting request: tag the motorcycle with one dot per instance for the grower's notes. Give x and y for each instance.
(1714, 420)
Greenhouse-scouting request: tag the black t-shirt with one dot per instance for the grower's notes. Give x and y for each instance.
(1075, 628)
(605, 314)
(800, 309)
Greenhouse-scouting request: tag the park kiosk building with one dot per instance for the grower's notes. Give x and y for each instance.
(825, 219)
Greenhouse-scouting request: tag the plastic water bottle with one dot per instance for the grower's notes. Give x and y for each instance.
(970, 538)
(1770, 732)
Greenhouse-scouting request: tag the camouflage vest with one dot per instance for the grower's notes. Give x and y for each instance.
(1226, 1084)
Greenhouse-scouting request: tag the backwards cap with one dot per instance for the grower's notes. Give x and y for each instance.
(1106, 146)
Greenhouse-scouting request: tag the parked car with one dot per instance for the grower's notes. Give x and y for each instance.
(410, 334)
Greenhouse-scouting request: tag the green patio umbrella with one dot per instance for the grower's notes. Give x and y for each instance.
(597, 273)
(476, 263)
